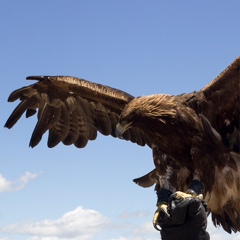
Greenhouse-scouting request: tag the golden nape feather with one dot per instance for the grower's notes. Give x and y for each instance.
(188, 133)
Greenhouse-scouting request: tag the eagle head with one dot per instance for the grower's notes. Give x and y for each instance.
(142, 110)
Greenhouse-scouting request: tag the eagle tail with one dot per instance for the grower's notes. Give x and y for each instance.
(147, 180)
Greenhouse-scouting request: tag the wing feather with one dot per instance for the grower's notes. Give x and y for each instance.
(30, 112)
(73, 132)
(223, 104)
(113, 117)
(48, 116)
(20, 109)
(22, 93)
(59, 131)
(72, 109)
(85, 107)
(101, 118)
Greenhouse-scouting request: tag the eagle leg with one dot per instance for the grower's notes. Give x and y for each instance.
(163, 193)
(166, 192)
(196, 187)
(165, 179)
(162, 206)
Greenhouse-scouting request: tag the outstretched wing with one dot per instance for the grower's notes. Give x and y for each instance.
(223, 97)
(72, 110)
(219, 102)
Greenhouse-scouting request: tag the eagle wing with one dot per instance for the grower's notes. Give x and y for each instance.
(219, 102)
(73, 110)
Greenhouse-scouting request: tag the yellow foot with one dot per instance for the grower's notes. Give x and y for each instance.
(162, 209)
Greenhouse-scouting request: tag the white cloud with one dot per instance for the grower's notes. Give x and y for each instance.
(138, 214)
(134, 238)
(146, 231)
(135, 231)
(77, 224)
(87, 224)
(9, 186)
(219, 233)
(145, 228)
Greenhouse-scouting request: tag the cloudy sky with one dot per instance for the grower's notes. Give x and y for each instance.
(141, 47)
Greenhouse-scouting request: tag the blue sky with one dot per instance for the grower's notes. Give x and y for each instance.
(141, 47)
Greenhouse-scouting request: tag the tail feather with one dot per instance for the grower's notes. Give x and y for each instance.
(147, 180)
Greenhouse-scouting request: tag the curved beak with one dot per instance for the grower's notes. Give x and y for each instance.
(121, 128)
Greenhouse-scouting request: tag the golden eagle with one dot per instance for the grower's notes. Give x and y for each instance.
(192, 136)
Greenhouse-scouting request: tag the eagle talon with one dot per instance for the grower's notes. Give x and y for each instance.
(182, 195)
(156, 227)
(162, 208)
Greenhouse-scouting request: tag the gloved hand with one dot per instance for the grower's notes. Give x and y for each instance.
(188, 219)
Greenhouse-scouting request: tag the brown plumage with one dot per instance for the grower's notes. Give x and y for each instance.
(191, 134)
